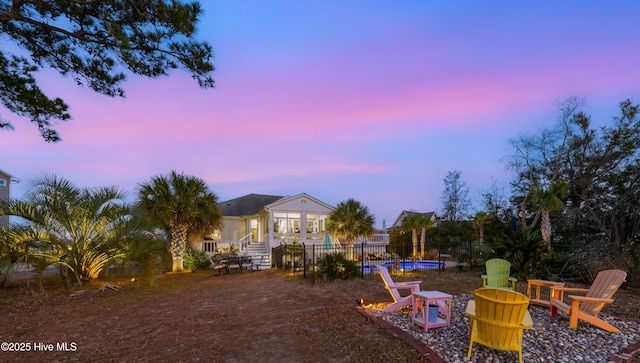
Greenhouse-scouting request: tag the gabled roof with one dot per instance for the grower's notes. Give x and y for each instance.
(249, 204)
(301, 196)
(7, 174)
(405, 213)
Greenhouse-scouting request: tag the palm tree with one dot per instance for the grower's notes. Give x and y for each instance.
(479, 220)
(411, 223)
(548, 200)
(351, 220)
(80, 230)
(181, 204)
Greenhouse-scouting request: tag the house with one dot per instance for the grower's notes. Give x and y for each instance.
(405, 213)
(255, 223)
(5, 192)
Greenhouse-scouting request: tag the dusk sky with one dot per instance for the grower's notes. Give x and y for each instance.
(371, 100)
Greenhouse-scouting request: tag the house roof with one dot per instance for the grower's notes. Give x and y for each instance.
(287, 199)
(249, 204)
(7, 174)
(405, 213)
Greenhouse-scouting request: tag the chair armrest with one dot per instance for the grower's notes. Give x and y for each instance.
(513, 279)
(484, 276)
(590, 299)
(570, 289)
(407, 282)
(400, 285)
(527, 322)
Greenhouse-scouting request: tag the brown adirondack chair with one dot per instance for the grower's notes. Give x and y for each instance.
(588, 307)
(393, 287)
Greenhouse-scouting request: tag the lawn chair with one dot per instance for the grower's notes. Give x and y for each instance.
(498, 318)
(245, 263)
(498, 275)
(393, 287)
(218, 263)
(234, 263)
(589, 306)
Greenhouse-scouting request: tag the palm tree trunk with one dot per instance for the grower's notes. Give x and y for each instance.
(545, 227)
(178, 245)
(414, 240)
(423, 233)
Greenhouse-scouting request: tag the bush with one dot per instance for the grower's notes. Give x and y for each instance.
(335, 266)
(195, 260)
(527, 252)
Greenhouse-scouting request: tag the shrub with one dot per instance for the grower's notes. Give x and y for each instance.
(335, 266)
(196, 260)
(527, 252)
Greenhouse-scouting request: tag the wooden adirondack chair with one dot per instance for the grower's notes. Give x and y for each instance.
(589, 306)
(393, 287)
(498, 319)
(498, 275)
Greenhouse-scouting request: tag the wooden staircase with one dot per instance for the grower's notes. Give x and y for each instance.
(259, 255)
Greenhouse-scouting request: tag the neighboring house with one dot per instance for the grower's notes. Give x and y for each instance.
(256, 223)
(5, 192)
(405, 213)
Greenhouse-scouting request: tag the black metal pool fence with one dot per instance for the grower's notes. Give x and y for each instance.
(433, 257)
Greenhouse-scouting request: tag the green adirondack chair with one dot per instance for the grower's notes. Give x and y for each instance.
(499, 275)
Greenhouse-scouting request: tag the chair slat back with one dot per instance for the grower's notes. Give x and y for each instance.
(499, 314)
(386, 278)
(498, 272)
(605, 285)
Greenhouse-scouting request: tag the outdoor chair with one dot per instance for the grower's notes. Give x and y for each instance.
(393, 287)
(498, 318)
(218, 264)
(245, 263)
(498, 275)
(588, 307)
(234, 263)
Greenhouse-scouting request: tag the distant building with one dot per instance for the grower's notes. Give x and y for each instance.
(405, 213)
(5, 192)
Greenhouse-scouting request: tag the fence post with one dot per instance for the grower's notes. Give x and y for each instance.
(313, 263)
(361, 260)
(304, 261)
(470, 257)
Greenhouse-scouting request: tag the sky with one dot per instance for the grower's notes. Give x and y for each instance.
(371, 100)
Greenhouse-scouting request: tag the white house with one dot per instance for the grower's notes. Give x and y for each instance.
(256, 223)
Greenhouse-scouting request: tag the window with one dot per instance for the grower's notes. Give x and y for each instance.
(3, 182)
(315, 223)
(286, 222)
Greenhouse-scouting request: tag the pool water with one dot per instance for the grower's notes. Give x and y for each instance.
(409, 265)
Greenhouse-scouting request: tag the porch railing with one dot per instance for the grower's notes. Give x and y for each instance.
(217, 246)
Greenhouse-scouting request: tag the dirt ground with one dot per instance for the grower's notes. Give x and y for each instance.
(265, 316)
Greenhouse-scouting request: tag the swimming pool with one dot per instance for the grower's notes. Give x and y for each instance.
(407, 265)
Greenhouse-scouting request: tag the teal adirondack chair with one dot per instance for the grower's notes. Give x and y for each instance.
(499, 275)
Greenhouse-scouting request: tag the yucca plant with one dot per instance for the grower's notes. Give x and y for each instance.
(335, 266)
(195, 260)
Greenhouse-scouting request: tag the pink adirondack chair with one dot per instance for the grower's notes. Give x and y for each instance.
(393, 287)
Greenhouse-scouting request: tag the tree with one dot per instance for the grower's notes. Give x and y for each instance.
(455, 197)
(539, 159)
(601, 167)
(351, 220)
(90, 41)
(412, 223)
(549, 200)
(479, 221)
(180, 204)
(78, 229)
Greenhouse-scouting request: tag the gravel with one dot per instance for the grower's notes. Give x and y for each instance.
(549, 340)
